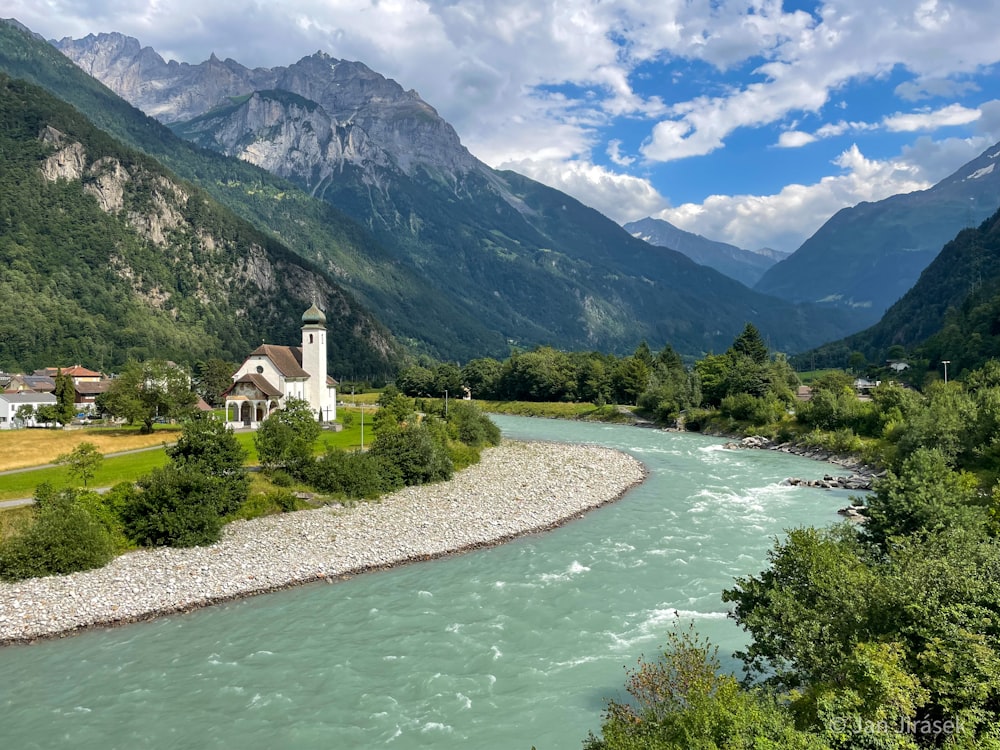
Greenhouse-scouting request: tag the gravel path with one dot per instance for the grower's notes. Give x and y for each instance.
(517, 488)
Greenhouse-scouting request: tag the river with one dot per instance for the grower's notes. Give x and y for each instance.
(508, 647)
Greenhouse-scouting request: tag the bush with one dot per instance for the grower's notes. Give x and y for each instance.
(744, 407)
(415, 453)
(354, 475)
(281, 478)
(268, 504)
(63, 538)
(467, 424)
(175, 508)
(462, 455)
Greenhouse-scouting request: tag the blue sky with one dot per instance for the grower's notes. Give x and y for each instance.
(750, 122)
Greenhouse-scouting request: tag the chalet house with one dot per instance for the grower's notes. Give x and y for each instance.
(273, 374)
(79, 373)
(12, 401)
(87, 384)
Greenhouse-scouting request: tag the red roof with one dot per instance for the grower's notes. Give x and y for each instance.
(288, 359)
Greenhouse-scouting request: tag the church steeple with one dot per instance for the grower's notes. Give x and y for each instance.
(314, 358)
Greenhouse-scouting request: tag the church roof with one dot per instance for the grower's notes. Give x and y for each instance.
(288, 359)
(259, 382)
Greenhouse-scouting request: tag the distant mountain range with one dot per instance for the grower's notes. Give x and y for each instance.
(746, 266)
(480, 260)
(867, 257)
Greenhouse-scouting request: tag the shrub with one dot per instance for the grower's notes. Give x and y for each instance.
(268, 504)
(467, 424)
(462, 455)
(175, 508)
(63, 538)
(281, 478)
(354, 475)
(415, 453)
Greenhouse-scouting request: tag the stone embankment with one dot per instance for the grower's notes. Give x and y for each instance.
(517, 488)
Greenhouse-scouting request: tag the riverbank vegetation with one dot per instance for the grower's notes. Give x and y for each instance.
(204, 482)
(879, 635)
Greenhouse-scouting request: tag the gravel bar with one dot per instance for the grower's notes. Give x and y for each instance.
(517, 488)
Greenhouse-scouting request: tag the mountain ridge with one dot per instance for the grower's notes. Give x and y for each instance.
(108, 257)
(517, 263)
(869, 255)
(746, 266)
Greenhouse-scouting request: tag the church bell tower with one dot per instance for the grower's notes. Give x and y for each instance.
(314, 362)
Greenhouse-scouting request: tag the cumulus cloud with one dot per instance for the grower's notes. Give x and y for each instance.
(618, 196)
(784, 220)
(953, 114)
(795, 139)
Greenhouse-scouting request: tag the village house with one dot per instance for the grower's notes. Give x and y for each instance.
(87, 384)
(273, 374)
(12, 402)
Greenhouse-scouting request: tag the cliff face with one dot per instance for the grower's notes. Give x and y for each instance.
(167, 91)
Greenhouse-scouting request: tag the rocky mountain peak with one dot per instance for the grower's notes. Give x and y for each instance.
(406, 131)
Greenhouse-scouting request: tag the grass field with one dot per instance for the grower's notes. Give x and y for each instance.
(23, 448)
(27, 448)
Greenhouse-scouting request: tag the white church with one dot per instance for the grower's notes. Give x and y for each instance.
(273, 374)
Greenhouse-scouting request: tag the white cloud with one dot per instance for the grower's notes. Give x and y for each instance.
(620, 197)
(786, 219)
(953, 114)
(615, 154)
(795, 139)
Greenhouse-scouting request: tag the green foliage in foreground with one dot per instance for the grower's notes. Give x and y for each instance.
(880, 636)
(681, 702)
(62, 537)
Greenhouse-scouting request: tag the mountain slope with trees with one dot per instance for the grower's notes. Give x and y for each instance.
(868, 256)
(109, 257)
(952, 312)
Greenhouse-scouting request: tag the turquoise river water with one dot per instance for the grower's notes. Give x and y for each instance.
(508, 647)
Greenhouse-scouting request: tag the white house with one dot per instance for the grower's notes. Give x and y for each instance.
(11, 402)
(273, 374)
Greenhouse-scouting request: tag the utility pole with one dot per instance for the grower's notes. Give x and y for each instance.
(946, 362)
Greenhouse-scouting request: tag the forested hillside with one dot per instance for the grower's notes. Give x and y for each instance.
(952, 312)
(107, 256)
(412, 309)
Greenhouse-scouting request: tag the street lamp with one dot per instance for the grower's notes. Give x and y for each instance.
(946, 362)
